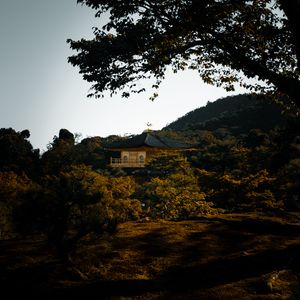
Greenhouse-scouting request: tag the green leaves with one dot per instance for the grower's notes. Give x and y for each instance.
(174, 192)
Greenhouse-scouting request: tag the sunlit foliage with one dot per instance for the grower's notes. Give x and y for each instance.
(240, 193)
(76, 202)
(173, 191)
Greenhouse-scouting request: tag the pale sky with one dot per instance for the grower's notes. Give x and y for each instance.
(41, 92)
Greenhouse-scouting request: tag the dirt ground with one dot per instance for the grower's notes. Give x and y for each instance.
(230, 256)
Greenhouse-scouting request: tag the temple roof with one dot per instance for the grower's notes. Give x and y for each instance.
(148, 139)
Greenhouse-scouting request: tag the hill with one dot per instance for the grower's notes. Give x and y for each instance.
(238, 114)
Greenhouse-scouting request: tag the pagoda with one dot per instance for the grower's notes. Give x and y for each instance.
(136, 151)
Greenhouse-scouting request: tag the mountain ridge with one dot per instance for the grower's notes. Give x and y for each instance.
(239, 114)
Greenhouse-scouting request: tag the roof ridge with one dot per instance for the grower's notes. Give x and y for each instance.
(150, 139)
(160, 139)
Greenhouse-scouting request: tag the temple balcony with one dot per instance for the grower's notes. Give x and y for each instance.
(126, 163)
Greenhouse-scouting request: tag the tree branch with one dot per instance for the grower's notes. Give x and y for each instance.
(291, 9)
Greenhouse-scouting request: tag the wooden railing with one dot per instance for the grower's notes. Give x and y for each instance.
(121, 163)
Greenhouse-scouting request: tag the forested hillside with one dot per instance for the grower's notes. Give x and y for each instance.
(237, 114)
(244, 159)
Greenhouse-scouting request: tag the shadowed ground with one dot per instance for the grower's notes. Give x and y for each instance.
(243, 256)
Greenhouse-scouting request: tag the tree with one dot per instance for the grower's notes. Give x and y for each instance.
(74, 203)
(90, 151)
(176, 196)
(61, 153)
(172, 191)
(16, 152)
(221, 39)
(253, 191)
(13, 188)
(66, 135)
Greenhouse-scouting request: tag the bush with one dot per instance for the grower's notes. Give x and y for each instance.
(13, 189)
(263, 200)
(239, 193)
(175, 197)
(77, 202)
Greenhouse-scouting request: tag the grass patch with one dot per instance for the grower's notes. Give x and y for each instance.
(231, 256)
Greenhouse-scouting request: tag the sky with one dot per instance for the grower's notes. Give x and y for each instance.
(40, 91)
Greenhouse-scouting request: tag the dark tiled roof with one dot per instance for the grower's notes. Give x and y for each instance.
(149, 139)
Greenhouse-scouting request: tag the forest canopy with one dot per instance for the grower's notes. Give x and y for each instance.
(224, 40)
(69, 192)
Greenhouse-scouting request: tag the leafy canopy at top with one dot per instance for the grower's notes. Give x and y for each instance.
(224, 40)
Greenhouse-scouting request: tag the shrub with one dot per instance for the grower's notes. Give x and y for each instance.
(176, 196)
(77, 202)
(13, 189)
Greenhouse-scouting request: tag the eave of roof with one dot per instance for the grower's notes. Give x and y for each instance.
(149, 140)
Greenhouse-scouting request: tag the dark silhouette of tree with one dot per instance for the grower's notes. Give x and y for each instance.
(16, 152)
(90, 152)
(25, 134)
(220, 39)
(64, 152)
(60, 153)
(66, 135)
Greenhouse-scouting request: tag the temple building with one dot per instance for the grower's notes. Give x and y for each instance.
(136, 151)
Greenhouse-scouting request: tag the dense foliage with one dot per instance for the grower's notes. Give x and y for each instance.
(235, 114)
(70, 192)
(221, 39)
(172, 190)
